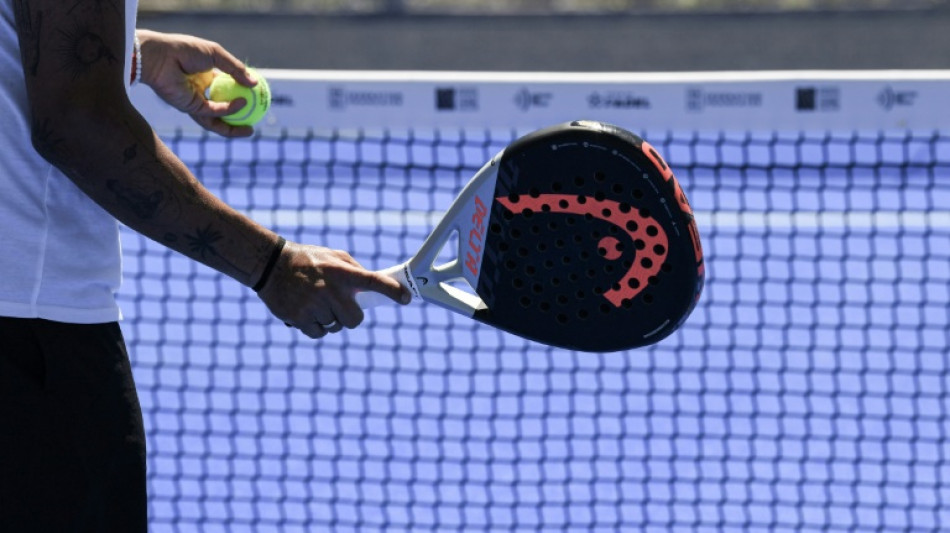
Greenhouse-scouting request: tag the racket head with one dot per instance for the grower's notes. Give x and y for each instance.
(590, 243)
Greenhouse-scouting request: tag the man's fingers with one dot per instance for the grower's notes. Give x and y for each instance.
(334, 326)
(313, 289)
(348, 313)
(225, 62)
(312, 330)
(210, 108)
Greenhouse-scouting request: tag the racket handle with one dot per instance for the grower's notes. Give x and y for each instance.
(400, 273)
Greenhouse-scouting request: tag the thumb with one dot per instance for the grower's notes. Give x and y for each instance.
(385, 285)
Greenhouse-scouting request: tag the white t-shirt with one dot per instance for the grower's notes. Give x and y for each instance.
(59, 251)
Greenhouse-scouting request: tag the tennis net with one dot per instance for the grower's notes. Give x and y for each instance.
(807, 391)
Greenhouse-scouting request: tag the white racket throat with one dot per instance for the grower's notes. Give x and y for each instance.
(467, 218)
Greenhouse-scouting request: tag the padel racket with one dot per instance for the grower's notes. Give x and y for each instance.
(576, 236)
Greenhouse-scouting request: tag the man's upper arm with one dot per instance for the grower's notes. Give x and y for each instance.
(73, 58)
(72, 51)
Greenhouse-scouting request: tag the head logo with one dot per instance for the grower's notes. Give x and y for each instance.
(645, 233)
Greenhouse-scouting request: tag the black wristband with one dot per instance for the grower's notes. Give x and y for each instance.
(274, 256)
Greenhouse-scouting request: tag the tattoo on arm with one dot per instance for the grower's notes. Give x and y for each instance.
(203, 241)
(97, 5)
(29, 26)
(129, 153)
(141, 191)
(142, 202)
(203, 244)
(51, 146)
(45, 139)
(81, 49)
(140, 188)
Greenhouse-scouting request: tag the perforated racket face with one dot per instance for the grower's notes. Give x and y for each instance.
(591, 244)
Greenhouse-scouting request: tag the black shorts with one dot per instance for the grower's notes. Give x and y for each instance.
(72, 443)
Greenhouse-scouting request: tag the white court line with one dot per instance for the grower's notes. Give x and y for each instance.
(723, 219)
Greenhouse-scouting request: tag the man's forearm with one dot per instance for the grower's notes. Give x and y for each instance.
(121, 164)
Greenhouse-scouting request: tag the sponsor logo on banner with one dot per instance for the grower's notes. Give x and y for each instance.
(526, 99)
(342, 98)
(617, 100)
(820, 99)
(456, 99)
(698, 99)
(889, 98)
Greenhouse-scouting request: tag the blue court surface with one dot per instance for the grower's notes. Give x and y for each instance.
(808, 390)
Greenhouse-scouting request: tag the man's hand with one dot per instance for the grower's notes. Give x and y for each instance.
(314, 288)
(179, 68)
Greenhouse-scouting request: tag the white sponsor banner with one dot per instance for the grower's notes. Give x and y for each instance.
(704, 101)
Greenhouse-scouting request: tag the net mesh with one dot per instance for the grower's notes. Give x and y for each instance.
(808, 390)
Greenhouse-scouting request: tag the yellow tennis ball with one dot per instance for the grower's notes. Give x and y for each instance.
(225, 89)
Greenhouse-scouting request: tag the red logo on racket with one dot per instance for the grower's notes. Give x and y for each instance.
(647, 235)
(476, 237)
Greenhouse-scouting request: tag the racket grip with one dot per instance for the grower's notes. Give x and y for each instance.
(400, 273)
